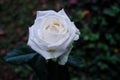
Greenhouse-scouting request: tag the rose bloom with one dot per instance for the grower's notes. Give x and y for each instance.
(52, 35)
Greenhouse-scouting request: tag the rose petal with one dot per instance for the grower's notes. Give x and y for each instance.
(43, 13)
(77, 31)
(59, 43)
(62, 12)
(36, 40)
(63, 59)
(37, 48)
(72, 33)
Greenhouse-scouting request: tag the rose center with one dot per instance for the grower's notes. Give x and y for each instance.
(55, 27)
(54, 30)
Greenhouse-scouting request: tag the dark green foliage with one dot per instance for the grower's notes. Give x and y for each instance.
(20, 55)
(97, 50)
(74, 61)
(45, 70)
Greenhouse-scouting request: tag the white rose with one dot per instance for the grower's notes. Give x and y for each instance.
(52, 35)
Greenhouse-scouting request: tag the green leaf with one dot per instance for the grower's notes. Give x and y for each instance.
(74, 61)
(111, 11)
(94, 37)
(115, 9)
(20, 55)
(102, 65)
(23, 54)
(20, 59)
(44, 71)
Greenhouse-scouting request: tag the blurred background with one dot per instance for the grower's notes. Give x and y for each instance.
(98, 47)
